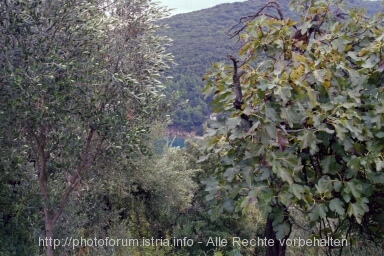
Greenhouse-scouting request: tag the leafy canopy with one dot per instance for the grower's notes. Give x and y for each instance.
(79, 87)
(309, 132)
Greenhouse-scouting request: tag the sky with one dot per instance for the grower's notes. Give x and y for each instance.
(182, 6)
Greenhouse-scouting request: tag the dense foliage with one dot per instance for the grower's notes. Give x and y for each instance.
(300, 123)
(83, 114)
(79, 87)
(201, 38)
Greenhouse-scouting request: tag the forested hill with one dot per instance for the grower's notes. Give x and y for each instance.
(200, 38)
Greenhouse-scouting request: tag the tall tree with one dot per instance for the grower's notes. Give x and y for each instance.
(300, 121)
(79, 84)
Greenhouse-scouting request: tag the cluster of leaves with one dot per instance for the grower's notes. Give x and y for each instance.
(160, 197)
(200, 38)
(144, 199)
(308, 133)
(19, 215)
(196, 223)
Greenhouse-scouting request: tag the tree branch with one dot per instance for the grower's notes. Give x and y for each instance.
(238, 102)
(236, 83)
(87, 159)
(273, 5)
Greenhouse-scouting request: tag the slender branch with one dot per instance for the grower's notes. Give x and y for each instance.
(72, 183)
(315, 166)
(238, 102)
(41, 161)
(273, 5)
(236, 83)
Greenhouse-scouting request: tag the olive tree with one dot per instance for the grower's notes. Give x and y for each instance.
(79, 85)
(300, 121)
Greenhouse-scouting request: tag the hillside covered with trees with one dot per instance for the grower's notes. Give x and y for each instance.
(201, 38)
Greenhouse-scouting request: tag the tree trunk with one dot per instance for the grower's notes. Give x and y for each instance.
(48, 236)
(278, 249)
(50, 216)
(41, 167)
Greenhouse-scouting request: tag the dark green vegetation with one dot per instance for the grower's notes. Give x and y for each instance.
(199, 39)
(296, 150)
(81, 106)
(300, 132)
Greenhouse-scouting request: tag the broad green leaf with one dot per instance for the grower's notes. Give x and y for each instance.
(319, 74)
(358, 209)
(319, 211)
(233, 122)
(312, 94)
(337, 185)
(370, 62)
(285, 198)
(230, 173)
(290, 115)
(340, 131)
(308, 139)
(282, 230)
(339, 44)
(248, 110)
(380, 135)
(265, 209)
(306, 25)
(337, 205)
(265, 195)
(324, 187)
(353, 187)
(270, 114)
(278, 216)
(297, 190)
(284, 92)
(329, 165)
(285, 175)
(355, 77)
